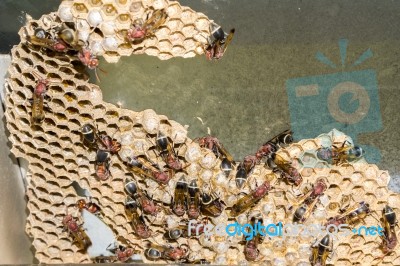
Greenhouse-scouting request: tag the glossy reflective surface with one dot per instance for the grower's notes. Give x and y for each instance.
(244, 97)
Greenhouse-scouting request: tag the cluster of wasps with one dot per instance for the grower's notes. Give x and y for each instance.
(60, 41)
(217, 42)
(64, 40)
(189, 199)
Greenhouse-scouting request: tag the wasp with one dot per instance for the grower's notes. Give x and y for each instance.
(200, 261)
(102, 165)
(138, 223)
(111, 145)
(304, 211)
(69, 35)
(179, 202)
(251, 251)
(89, 60)
(351, 216)
(219, 150)
(166, 149)
(272, 146)
(244, 169)
(156, 252)
(318, 189)
(46, 40)
(174, 234)
(143, 29)
(288, 172)
(175, 253)
(339, 155)
(122, 254)
(89, 206)
(321, 252)
(144, 202)
(211, 206)
(389, 222)
(248, 201)
(38, 99)
(218, 42)
(193, 200)
(144, 168)
(89, 135)
(71, 225)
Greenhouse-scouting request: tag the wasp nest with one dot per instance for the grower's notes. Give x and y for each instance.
(58, 157)
(179, 36)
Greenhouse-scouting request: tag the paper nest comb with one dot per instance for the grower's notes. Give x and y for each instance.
(179, 36)
(57, 156)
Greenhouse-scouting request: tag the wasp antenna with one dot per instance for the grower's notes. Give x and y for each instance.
(97, 76)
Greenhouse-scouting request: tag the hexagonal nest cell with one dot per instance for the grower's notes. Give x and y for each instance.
(61, 168)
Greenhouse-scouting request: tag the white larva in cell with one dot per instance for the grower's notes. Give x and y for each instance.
(126, 138)
(279, 245)
(208, 160)
(82, 25)
(166, 198)
(140, 145)
(291, 240)
(125, 154)
(303, 263)
(266, 263)
(206, 175)
(221, 180)
(267, 252)
(279, 262)
(110, 44)
(178, 132)
(150, 121)
(205, 241)
(194, 245)
(268, 208)
(137, 257)
(268, 220)
(65, 13)
(94, 18)
(220, 260)
(193, 153)
(290, 257)
(220, 247)
(243, 263)
(193, 169)
(324, 200)
(108, 28)
(231, 200)
(83, 36)
(96, 48)
(172, 222)
(242, 219)
(220, 219)
(320, 213)
(305, 250)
